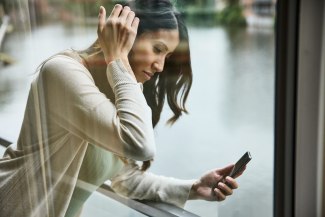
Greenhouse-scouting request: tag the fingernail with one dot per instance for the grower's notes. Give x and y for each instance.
(101, 9)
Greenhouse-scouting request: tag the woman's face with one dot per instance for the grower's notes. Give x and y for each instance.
(149, 52)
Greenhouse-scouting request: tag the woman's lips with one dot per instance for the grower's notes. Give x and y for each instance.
(148, 75)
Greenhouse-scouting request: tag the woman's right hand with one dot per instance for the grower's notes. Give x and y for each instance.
(118, 33)
(211, 187)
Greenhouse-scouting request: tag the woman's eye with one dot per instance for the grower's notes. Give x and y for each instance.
(157, 50)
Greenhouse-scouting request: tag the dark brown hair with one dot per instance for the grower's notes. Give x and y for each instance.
(175, 81)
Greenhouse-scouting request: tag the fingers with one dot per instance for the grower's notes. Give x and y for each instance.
(225, 170)
(130, 18)
(125, 16)
(219, 195)
(135, 23)
(231, 182)
(226, 190)
(116, 11)
(125, 12)
(132, 21)
(223, 190)
(101, 19)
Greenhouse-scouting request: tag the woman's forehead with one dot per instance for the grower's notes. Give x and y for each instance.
(170, 37)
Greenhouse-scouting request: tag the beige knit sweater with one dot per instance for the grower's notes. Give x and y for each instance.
(70, 140)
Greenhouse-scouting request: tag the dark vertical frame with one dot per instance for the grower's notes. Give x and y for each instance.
(309, 93)
(285, 106)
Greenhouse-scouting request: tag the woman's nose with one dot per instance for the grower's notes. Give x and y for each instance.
(158, 65)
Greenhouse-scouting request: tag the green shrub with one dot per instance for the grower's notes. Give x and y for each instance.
(231, 15)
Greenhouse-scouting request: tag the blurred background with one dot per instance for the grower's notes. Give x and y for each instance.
(231, 103)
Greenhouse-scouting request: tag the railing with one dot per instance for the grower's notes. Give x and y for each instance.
(147, 208)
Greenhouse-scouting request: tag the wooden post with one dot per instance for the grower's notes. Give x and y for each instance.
(3, 28)
(6, 59)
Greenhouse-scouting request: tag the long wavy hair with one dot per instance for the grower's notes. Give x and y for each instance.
(175, 81)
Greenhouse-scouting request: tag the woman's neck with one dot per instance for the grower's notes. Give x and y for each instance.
(95, 62)
(97, 66)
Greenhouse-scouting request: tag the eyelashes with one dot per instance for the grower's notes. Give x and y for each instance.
(157, 50)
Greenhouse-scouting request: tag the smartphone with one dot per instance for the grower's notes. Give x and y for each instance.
(240, 164)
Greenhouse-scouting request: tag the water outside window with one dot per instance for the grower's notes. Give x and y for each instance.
(230, 104)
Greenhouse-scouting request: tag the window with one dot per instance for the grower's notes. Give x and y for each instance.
(231, 103)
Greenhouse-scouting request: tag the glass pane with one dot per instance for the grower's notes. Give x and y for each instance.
(103, 206)
(230, 110)
(230, 104)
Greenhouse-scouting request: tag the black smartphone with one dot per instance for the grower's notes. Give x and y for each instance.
(240, 164)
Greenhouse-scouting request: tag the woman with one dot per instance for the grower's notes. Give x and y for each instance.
(88, 121)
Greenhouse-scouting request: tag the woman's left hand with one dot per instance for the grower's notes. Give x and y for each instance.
(212, 187)
(117, 34)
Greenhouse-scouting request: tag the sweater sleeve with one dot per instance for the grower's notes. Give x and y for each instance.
(73, 100)
(133, 183)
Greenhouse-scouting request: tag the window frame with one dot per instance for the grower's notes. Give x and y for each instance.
(299, 109)
(285, 106)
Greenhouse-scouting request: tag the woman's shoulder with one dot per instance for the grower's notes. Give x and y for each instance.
(63, 59)
(66, 63)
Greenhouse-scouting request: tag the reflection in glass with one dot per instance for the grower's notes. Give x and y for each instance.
(230, 104)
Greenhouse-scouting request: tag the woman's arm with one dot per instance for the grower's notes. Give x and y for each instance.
(133, 183)
(74, 102)
(136, 184)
